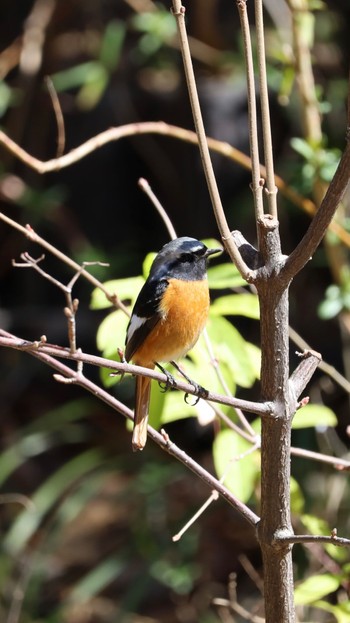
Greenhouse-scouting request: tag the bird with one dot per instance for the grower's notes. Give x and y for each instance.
(168, 317)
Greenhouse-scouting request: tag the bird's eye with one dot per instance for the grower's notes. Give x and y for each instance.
(186, 257)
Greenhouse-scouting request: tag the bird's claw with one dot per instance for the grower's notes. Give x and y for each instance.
(201, 392)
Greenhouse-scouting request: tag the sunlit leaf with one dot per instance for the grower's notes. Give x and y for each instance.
(240, 473)
(126, 290)
(341, 612)
(147, 263)
(230, 348)
(297, 499)
(237, 304)
(314, 415)
(224, 276)
(111, 333)
(314, 588)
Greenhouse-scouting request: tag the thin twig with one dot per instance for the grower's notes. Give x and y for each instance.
(11, 341)
(236, 607)
(164, 129)
(270, 188)
(179, 13)
(162, 440)
(72, 305)
(337, 462)
(144, 185)
(29, 232)
(323, 365)
(214, 362)
(319, 224)
(214, 496)
(257, 182)
(311, 538)
(17, 498)
(61, 135)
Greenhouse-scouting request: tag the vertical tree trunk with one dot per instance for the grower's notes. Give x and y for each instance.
(275, 449)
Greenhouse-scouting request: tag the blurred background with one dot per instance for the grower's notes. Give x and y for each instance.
(100, 550)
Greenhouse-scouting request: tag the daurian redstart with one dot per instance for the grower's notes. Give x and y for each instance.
(169, 314)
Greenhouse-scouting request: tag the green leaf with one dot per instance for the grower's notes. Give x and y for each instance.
(240, 473)
(112, 44)
(315, 588)
(50, 430)
(97, 579)
(237, 304)
(341, 612)
(302, 147)
(224, 276)
(254, 354)
(147, 263)
(230, 348)
(199, 368)
(330, 308)
(314, 415)
(297, 499)
(47, 495)
(126, 289)
(78, 75)
(316, 525)
(111, 333)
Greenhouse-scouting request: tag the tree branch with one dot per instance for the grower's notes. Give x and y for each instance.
(179, 13)
(11, 341)
(271, 190)
(257, 182)
(311, 538)
(161, 440)
(163, 129)
(319, 224)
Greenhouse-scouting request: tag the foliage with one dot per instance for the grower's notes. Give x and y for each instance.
(75, 468)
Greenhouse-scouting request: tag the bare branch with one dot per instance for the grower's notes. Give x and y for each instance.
(144, 185)
(311, 538)
(257, 182)
(323, 365)
(304, 372)
(162, 440)
(61, 136)
(319, 224)
(29, 232)
(336, 462)
(179, 13)
(164, 129)
(11, 341)
(271, 190)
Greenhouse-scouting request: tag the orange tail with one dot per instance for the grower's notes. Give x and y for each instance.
(139, 435)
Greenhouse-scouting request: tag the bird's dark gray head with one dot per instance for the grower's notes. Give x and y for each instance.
(182, 258)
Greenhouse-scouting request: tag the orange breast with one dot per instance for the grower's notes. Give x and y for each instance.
(184, 310)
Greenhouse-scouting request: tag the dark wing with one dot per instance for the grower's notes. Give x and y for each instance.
(145, 315)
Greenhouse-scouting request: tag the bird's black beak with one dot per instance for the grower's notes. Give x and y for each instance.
(212, 252)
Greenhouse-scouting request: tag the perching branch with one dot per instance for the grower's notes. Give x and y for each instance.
(162, 440)
(11, 341)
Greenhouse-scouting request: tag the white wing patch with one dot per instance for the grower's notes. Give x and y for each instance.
(135, 323)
